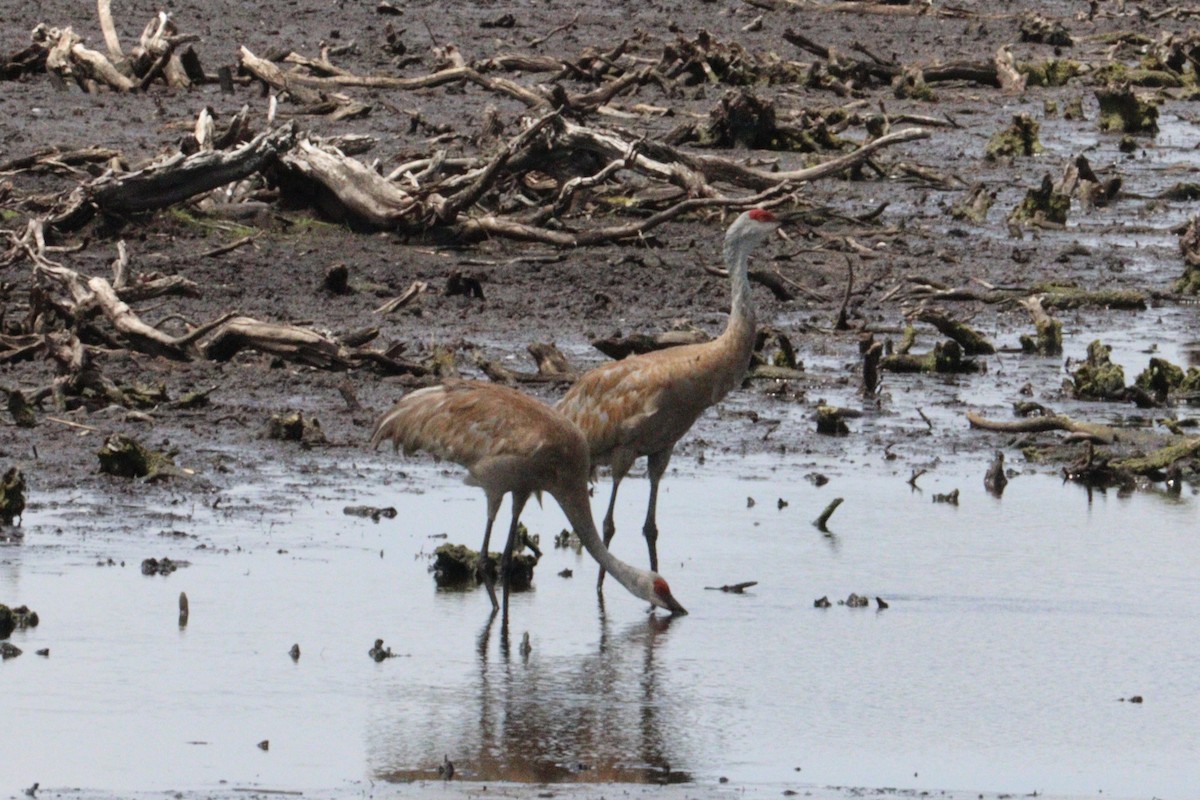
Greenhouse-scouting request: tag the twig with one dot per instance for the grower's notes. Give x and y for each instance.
(826, 514)
(71, 424)
(559, 29)
(220, 251)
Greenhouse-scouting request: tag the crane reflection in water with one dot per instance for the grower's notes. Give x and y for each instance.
(591, 718)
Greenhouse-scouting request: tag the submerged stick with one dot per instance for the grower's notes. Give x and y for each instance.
(826, 514)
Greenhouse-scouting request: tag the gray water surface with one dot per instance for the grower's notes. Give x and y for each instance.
(1015, 628)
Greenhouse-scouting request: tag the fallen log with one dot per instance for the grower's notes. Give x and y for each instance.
(183, 177)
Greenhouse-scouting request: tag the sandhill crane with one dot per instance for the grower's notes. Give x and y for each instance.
(642, 405)
(512, 443)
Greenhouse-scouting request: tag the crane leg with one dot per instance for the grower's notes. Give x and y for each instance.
(656, 465)
(481, 564)
(518, 505)
(610, 526)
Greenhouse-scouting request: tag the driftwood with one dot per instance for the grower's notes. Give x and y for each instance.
(619, 347)
(973, 343)
(1048, 341)
(286, 341)
(173, 181)
(1050, 296)
(1101, 434)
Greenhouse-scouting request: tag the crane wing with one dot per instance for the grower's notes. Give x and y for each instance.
(470, 423)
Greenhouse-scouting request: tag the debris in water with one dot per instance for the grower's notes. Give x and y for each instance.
(736, 588)
(17, 618)
(44, 652)
(566, 573)
(827, 513)
(375, 514)
(265, 744)
(855, 601)
(446, 770)
(379, 652)
(161, 566)
(949, 497)
(995, 480)
(882, 603)
(183, 610)
(526, 648)
(295, 652)
(822, 603)
(12, 496)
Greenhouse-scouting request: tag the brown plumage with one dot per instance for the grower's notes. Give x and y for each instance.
(642, 405)
(512, 443)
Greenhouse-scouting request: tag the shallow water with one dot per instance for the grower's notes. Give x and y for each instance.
(1015, 627)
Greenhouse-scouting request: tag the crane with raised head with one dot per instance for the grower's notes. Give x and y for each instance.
(511, 443)
(642, 405)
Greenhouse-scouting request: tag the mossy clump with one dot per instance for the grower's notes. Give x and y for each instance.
(454, 565)
(911, 85)
(1043, 204)
(1043, 30)
(1018, 139)
(12, 496)
(1161, 379)
(1099, 378)
(125, 457)
(13, 618)
(293, 426)
(1048, 340)
(1123, 111)
(1051, 72)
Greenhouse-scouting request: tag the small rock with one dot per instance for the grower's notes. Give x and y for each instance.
(882, 603)
(265, 744)
(857, 601)
(8, 651)
(822, 603)
(750, 502)
(44, 652)
(566, 573)
(295, 652)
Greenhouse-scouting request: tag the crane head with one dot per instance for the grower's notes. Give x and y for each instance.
(661, 596)
(751, 228)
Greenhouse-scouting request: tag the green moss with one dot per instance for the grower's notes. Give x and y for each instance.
(12, 496)
(1018, 139)
(1160, 378)
(1122, 110)
(1189, 281)
(127, 458)
(1099, 378)
(1042, 204)
(1048, 341)
(1052, 72)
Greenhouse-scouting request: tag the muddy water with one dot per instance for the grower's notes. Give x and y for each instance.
(1015, 627)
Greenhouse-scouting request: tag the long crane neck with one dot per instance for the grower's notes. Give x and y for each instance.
(576, 506)
(741, 314)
